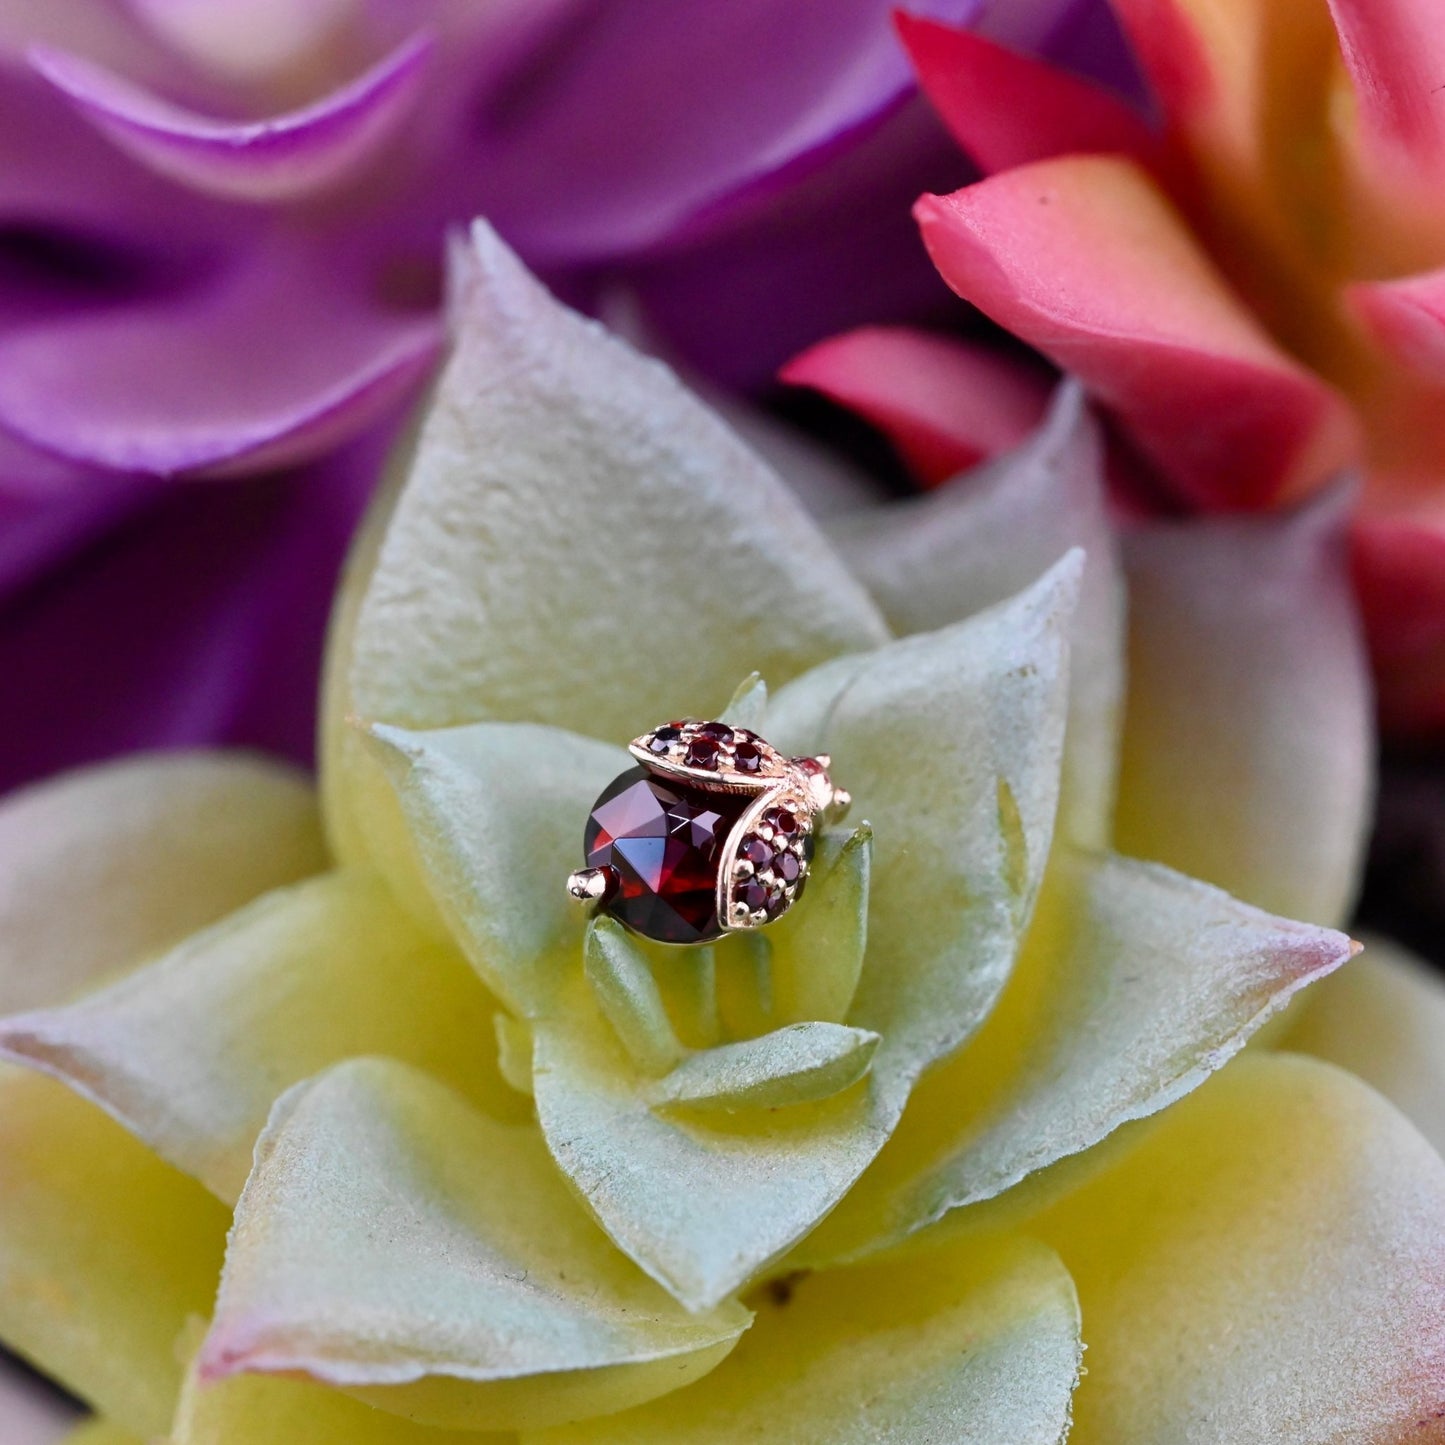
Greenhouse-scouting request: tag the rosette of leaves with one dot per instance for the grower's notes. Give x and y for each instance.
(381, 1140)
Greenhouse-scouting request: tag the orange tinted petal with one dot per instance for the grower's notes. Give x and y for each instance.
(1088, 261)
(1007, 109)
(945, 404)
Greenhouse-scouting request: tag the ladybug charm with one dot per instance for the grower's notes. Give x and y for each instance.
(711, 833)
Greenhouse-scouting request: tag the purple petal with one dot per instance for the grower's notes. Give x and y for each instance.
(57, 173)
(819, 256)
(268, 160)
(32, 1411)
(267, 362)
(97, 28)
(643, 114)
(1081, 35)
(245, 40)
(196, 617)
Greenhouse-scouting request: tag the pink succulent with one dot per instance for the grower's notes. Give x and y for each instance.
(1255, 291)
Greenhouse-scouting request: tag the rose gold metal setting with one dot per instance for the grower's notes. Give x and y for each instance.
(801, 786)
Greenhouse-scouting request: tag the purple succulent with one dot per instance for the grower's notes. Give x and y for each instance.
(221, 235)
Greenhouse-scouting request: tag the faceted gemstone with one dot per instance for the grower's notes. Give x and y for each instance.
(701, 753)
(665, 840)
(787, 867)
(748, 758)
(758, 897)
(782, 820)
(661, 738)
(753, 895)
(758, 853)
(718, 732)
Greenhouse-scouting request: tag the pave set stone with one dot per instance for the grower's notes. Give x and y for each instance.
(714, 747)
(772, 867)
(665, 835)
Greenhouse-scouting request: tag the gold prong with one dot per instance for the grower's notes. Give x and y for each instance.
(842, 800)
(591, 885)
(824, 760)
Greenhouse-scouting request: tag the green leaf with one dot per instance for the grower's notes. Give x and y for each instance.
(931, 731)
(570, 503)
(799, 1064)
(105, 1252)
(973, 1347)
(749, 705)
(1137, 984)
(395, 1243)
(1249, 747)
(627, 993)
(107, 865)
(101, 1432)
(702, 1204)
(818, 945)
(951, 743)
(191, 1052)
(1382, 1018)
(1267, 1267)
(268, 1410)
(496, 812)
(936, 558)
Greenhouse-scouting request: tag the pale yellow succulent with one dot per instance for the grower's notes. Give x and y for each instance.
(468, 1168)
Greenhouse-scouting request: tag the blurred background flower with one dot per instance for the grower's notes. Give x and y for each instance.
(1255, 290)
(221, 229)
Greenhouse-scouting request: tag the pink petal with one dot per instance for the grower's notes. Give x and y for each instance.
(271, 361)
(275, 159)
(1165, 36)
(1007, 109)
(945, 404)
(1085, 259)
(1395, 53)
(1407, 317)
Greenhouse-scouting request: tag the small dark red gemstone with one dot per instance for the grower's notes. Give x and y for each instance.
(758, 853)
(787, 867)
(665, 841)
(753, 895)
(661, 740)
(748, 758)
(782, 820)
(701, 753)
(718, 732)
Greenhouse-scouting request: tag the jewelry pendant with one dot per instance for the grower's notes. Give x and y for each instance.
(711, 833)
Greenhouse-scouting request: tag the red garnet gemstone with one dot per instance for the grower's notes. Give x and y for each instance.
(783, 821)
(665, 839)
(702, 752)
(748, 757)
(662, 740)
